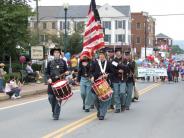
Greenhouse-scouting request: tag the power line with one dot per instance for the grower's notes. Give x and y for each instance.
(177, 14)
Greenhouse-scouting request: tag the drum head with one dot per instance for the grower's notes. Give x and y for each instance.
(59, 83)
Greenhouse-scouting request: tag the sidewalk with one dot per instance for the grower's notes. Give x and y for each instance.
(31, 89)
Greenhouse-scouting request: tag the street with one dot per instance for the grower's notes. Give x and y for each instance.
(158, 114)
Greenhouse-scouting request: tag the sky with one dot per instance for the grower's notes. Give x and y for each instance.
(171, 26)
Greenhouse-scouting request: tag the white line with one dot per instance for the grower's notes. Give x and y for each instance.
(2, 108)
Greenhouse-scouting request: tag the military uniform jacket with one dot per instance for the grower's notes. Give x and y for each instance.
(96, 71)
(117, 64)
(130, 71)
(84, 71)
(55, 68)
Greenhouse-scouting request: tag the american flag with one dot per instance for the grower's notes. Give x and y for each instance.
(93, 35)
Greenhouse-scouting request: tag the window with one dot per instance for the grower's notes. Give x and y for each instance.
(61, 25)
(35, 25)
(28, 24)
(120, 38)
(67, 25)
(124, 24)
(44, 25)
(44, 38)
(107, 24)
(138, 40)
(118, 24)
(138, 26)
(53, 25)
(79, 26)
(107, 38)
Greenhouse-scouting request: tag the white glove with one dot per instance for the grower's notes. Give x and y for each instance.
(49, 81)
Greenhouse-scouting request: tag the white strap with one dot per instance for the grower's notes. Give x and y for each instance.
(104, 68)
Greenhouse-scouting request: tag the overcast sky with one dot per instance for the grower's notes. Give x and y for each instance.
(169, 25)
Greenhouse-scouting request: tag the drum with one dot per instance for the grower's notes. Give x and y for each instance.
(102, 90)
(61, 89)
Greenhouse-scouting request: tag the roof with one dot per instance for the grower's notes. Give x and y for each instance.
(74, 11)
(162, 36)
(123, 9)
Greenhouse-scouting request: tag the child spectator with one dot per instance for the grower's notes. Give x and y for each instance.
(12, 88)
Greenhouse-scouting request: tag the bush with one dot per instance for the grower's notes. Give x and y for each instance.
(36, 67)
(16, 74)
(16, 67)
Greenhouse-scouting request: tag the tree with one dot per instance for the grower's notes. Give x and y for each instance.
(177, 50)
(13, 26)
(74, 45)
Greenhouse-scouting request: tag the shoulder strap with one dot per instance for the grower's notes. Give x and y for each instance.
(104, 68)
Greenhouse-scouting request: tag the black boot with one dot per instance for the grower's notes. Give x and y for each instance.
(101, 117)
(87, 110)
(92, 106)
(117, 111)
(111, 106)
(123, 108)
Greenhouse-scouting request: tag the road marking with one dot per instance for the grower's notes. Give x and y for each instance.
(16, 105)
(71, 126)
(146, 90)
(2, 108)
(79, 123)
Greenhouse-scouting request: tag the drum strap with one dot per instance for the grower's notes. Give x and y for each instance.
(104, 68)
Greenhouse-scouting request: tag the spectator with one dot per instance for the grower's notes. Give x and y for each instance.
(2, 73)
(74, 63)
(182, 71)
(169, 73)
(12, 88)
(30, 71)
(45, 62)
(73, 79)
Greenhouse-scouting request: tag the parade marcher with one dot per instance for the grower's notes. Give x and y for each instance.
(55, 70)
(84, 75)
(110, 59)
(130, 78)
(119, 82)
(101, 69)
(135, 95)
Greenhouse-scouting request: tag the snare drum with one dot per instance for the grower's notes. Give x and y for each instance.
(102, 90)
(61, 89)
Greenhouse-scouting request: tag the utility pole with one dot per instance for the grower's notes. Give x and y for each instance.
(37, 22)
(145, 33)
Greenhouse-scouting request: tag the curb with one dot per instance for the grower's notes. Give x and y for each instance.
(29, 93)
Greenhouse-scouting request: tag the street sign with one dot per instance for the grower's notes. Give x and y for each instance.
(37, 52)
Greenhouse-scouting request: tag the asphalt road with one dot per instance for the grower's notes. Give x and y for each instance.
(158, 114)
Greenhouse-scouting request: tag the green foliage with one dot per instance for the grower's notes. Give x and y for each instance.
(16, 67)
(16, 75)
(177, 50)
(36, 67)
(74, 43)
(13, 26)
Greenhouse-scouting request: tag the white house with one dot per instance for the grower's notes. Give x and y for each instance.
(115, 20)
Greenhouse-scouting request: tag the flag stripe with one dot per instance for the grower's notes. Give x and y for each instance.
(93, 35)
(94, 43)
(94, 28)
(94, 38)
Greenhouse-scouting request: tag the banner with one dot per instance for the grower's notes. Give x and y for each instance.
(142, 72)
